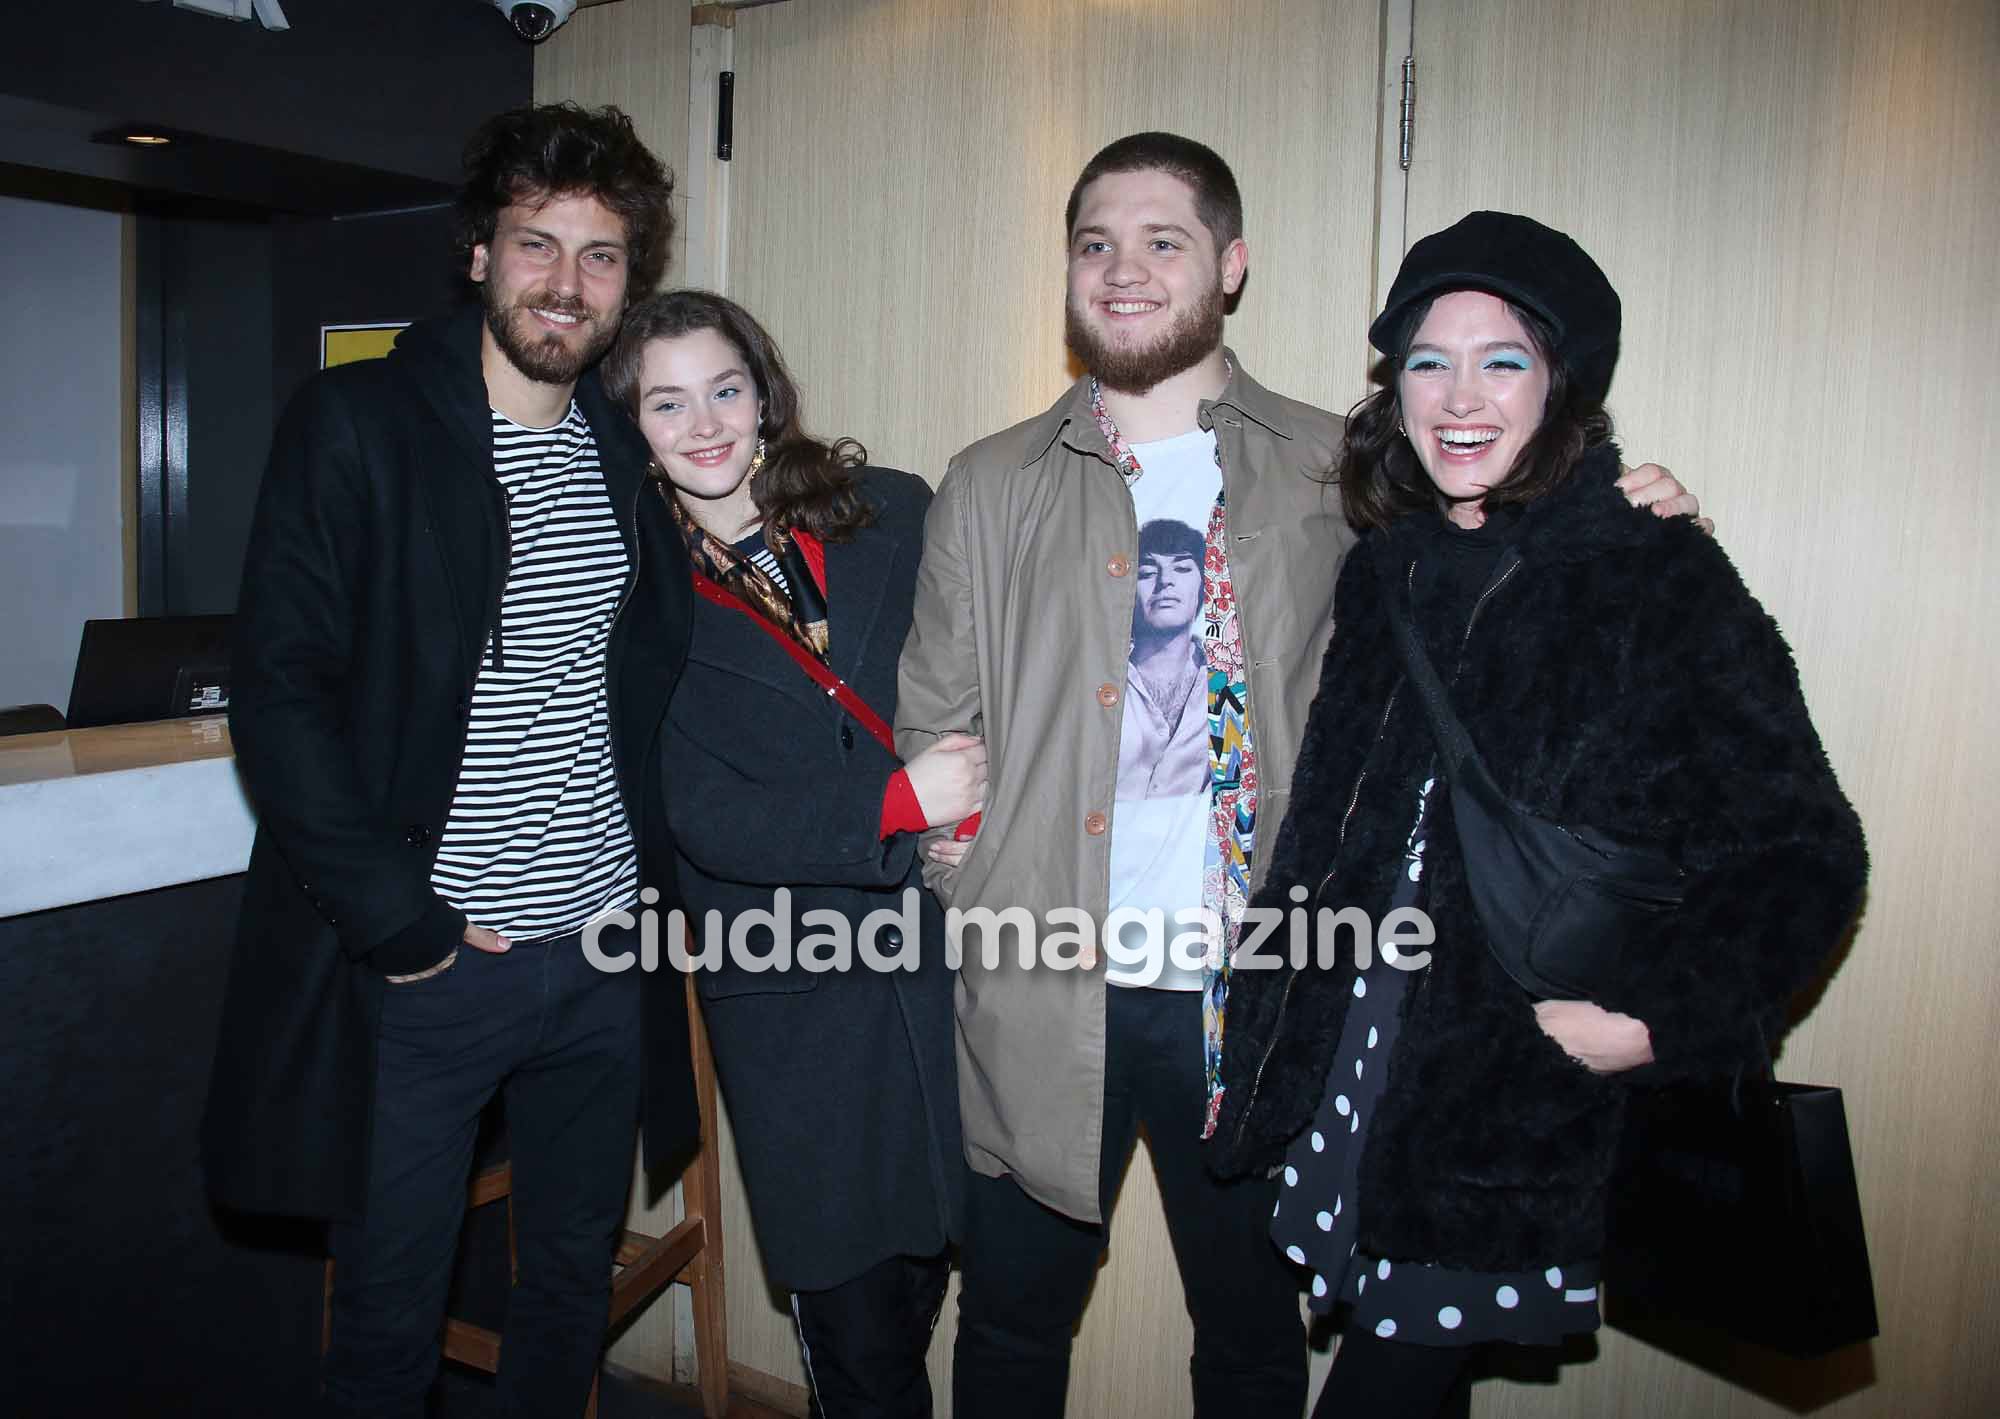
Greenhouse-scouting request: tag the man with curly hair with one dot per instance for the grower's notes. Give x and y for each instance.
(458, 629)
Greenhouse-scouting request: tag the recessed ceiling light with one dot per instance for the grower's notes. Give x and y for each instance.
(147, 140)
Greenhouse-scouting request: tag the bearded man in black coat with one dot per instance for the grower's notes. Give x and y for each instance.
(458, 630)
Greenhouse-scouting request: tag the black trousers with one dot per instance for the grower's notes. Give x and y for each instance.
(863, 1341)
(1372, 1376)
(561, 1040)
(1027, 1270)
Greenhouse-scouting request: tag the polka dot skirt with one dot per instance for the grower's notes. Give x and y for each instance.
(1317, 1219)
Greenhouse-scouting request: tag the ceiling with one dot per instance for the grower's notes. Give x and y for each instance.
(361, 105)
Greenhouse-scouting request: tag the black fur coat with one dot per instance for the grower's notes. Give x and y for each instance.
(1621, 677)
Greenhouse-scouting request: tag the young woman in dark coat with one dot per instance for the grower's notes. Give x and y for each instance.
(840, 1082)
(1446, 1140)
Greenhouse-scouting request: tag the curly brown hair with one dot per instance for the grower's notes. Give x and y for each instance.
(805, 482)
(564, 150)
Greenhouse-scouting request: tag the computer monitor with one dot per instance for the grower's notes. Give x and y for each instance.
(150, 667)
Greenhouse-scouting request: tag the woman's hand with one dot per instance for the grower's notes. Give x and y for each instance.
(949, 779)
(1601, 1040)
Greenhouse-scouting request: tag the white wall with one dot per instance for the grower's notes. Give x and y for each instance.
(61, 417)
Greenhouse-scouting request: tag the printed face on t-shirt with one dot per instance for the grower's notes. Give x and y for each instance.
(1169, 594)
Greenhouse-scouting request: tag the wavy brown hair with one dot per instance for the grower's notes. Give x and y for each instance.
(1381, 480)
(805, 483)
(553, 150)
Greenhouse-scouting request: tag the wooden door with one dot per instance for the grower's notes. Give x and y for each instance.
(1797, 201)
(896, 200)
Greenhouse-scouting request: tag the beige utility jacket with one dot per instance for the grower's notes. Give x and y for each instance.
(1021, 633)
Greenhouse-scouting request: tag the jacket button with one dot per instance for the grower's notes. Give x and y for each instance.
(1095, 824)
(892, 937)
(1119, 565)
(417, 834)
(1107, 694)
(847, 736)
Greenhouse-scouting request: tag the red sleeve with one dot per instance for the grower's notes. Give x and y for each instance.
(901, 813)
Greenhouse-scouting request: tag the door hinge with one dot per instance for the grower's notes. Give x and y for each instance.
(1408, 122)
(725, 115)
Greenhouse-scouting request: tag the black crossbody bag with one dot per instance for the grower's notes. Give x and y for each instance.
(1558, 901)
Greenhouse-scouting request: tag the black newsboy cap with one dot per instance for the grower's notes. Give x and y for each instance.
(1521, 260)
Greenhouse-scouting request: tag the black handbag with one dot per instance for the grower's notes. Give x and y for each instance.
(1735, 1208)
(1557, 901)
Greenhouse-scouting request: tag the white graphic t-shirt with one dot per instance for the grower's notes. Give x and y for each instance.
(1160, 823)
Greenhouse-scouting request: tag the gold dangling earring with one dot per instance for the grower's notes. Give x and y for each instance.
(757, 458)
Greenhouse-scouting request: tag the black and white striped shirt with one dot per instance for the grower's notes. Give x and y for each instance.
(537, 844)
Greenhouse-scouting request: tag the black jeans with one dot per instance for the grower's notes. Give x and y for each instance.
(1027, 1270)
(561, 1039)
(863, 1341)
(1390, 1377)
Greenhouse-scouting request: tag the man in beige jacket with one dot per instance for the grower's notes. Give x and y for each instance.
(1024, 632)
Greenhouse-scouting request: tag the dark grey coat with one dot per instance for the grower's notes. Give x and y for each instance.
(841, 1085)
(370, 589)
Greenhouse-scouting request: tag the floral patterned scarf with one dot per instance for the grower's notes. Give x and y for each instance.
(800, 611)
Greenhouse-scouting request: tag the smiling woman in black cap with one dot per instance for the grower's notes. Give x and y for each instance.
(1445, 1120)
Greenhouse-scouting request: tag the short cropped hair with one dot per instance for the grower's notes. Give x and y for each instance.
(557, 150)
(1216, 199)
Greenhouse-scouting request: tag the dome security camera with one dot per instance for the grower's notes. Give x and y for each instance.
(535, 20)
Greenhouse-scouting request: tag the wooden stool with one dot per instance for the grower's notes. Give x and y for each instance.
(643, 1264)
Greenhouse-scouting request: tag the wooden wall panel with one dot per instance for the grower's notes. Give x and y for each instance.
(896, 219)
(1797, 202)
(901, 168)
(633, 54)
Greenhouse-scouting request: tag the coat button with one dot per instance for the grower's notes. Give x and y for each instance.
(417, 834)
(1107, 694)
(1095, 824)
(1119, 565)
(847, 736)
(892, 937)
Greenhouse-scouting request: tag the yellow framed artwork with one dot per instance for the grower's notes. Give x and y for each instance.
(344, 344)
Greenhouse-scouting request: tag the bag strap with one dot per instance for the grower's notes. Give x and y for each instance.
(1453, 742)
(842, 693)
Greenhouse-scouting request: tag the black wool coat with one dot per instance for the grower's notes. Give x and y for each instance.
(1620, 677)
(370, 591)
(841, 1084)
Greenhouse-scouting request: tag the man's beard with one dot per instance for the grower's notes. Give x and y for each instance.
(544, 355)
(1196, 333)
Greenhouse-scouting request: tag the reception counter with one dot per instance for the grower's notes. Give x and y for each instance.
(121, 859)
(87, 814)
